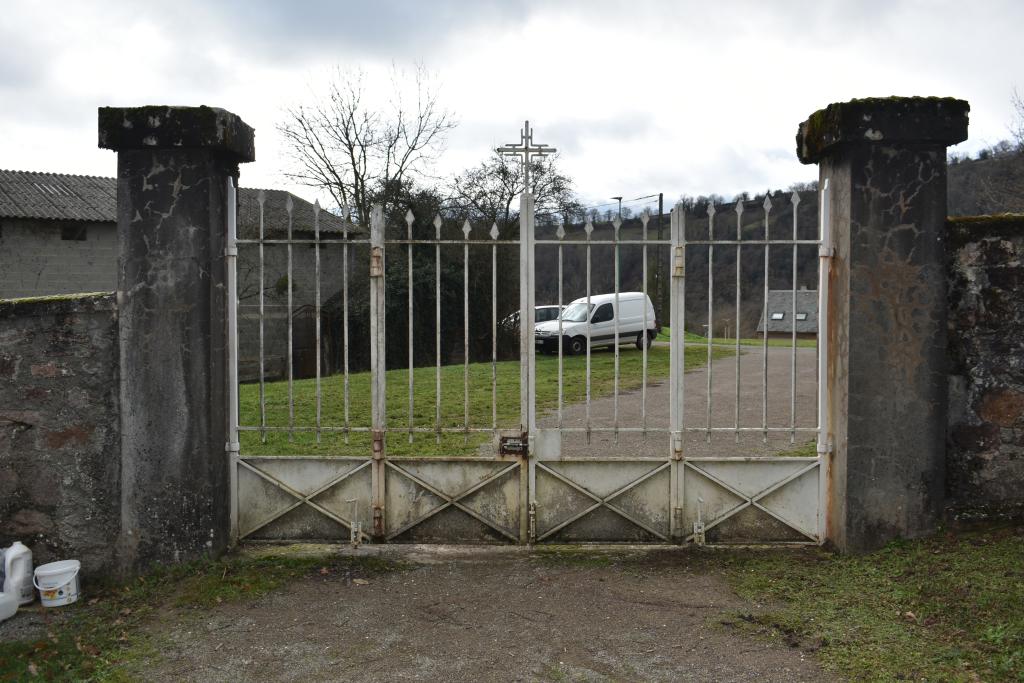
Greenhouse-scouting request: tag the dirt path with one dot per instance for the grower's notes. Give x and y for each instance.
(488, 614)
(723, 409)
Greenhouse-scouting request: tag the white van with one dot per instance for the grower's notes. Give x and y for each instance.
(602, 315)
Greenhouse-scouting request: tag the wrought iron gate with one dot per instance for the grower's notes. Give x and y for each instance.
(378, 483)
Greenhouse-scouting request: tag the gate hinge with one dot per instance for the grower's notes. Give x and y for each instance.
(378, 444)
(532, 535)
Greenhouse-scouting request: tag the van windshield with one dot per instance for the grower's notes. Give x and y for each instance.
(576, 313)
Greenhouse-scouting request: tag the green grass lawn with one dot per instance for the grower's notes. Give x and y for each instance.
(452, 413)
(691, 338)
(948, 608)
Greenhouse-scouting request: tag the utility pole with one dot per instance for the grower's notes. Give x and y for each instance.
(620, 206)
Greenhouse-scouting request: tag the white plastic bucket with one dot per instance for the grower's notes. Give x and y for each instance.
(57, 582)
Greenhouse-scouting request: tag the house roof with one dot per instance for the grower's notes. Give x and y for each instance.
(781, 301)
(57, 196)
(66, 197)
(275, 215)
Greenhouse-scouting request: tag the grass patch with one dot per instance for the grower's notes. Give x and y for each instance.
(941, 609)
(692, 338)
(101, 635)
(452, 414)
(805, 450)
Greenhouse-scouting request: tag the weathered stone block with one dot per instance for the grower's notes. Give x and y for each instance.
(884, 161)
(936, 121)
(59, 446)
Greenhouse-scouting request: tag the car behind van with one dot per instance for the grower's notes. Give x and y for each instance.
(634, 317)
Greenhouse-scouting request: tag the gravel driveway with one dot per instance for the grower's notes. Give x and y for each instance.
(487, 614)
(723, 409)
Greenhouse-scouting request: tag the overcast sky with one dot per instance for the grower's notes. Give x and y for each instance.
(641, 97)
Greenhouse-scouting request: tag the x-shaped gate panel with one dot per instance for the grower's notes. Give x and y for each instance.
(803, 500)
(290, 468)
(404, 504)
(653, 499)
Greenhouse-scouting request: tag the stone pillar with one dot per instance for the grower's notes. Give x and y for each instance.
(885, 162)
(172, 166)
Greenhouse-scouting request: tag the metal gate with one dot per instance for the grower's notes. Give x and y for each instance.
(365, 455)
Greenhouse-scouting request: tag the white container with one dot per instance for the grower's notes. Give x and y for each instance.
(18, 573)
(58, 582)
(8, 606)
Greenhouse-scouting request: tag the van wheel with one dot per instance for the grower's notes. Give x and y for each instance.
(576, 346)
(643, 340)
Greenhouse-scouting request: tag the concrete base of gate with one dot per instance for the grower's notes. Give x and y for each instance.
(442, 553)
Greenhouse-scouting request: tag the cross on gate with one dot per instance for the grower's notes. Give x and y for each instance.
(526, 149)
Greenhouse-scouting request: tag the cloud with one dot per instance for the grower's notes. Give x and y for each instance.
(676, 96)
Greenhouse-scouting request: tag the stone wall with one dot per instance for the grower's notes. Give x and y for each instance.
(985, 458)
(60, 461)
(44, 257)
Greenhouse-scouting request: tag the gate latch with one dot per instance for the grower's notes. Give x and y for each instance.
(513, 445)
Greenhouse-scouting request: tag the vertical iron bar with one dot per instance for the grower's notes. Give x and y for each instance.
(764, 321)
(711, 299)
(409, 219)
(824, 442)
(589, 228)
(437, 329)
(645, 339)
(561, 234)
(494, 328)
(231, 267)
(378, 361)
(291, 356)
(739, 255)
(792, 325)
(677, 330)
(825, 252)
(344, 315)
(616, 224)
(532, 293)
(316, 294)
(261, 198)
(465, 332)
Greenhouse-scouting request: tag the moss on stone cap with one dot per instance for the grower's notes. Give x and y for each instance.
(167, 127)
(84, 302)
(963, 229)
(906, 120)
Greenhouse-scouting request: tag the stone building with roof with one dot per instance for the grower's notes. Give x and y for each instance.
(58, 235)
(781, 320)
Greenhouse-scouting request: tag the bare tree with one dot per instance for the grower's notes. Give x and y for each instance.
(487, 192)
(361, 153)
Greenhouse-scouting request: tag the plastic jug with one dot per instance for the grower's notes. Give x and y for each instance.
(18, 573)
(8, 606)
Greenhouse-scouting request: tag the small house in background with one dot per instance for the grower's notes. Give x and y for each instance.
(781, 318)
(58, 235)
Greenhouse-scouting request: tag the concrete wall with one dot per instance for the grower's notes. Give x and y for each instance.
(985, 456)
(59, 443)
(35, 261)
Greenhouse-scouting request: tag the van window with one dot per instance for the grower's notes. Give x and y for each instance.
(575, 313)
(603, 314)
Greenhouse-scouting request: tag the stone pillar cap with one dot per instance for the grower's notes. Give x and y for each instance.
(166, 127)
(900, 120)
